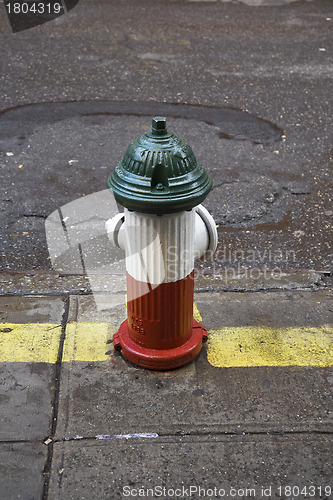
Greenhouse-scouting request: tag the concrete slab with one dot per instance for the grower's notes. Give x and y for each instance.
(31, 309)
(87, 308)
(26, 397)
(115, 397)
(104, 398)
(235, 466)
(21, 470)
(27, 388)
(43, 283)
(279, 309)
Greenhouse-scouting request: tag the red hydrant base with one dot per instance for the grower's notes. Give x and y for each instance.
(159, 359)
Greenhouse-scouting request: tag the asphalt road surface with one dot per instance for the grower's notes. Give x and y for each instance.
(247, 84)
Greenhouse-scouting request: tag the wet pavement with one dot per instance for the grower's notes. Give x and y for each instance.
(249, 86)
(264, 202)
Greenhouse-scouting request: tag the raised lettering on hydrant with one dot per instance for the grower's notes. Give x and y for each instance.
(163, 230)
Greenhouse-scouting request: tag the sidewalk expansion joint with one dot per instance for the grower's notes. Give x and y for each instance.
(38, 293)
(19, 441)
(76, 292)
(262, 290)
(50, 441)
(155, 435)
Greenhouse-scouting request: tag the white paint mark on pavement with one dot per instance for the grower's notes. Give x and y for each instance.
(148, 435)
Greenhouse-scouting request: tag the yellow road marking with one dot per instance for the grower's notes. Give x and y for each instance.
(39, 342)
(30, 342)
(87, 342)
(263, 346)
(196, 313)
(227, 347)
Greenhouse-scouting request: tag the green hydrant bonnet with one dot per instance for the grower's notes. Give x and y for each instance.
(159, 174)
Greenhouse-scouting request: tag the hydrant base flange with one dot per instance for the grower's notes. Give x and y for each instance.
(159, 359)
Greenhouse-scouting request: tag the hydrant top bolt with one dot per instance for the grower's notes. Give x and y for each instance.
(159, 125)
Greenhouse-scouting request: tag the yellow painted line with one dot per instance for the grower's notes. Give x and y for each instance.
(39, 342)
(227, 347)
(196, 314)
(87, 342)
(31, 342)
(263, 346)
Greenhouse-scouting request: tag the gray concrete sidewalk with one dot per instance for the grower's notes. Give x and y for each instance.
(88, 424)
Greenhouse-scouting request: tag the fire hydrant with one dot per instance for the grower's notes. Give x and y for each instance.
(163, 230)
